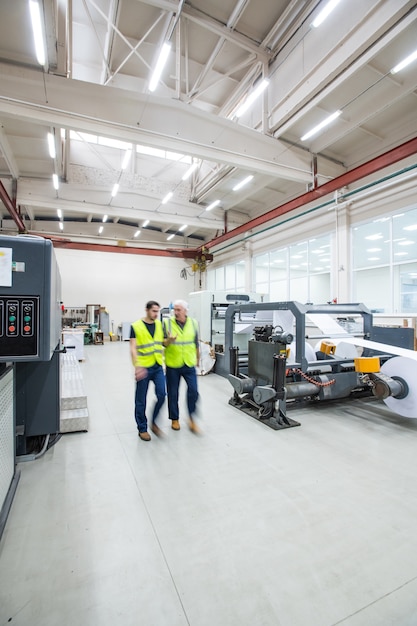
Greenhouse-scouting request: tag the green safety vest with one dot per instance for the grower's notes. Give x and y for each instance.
(149, 349)
(183, 351)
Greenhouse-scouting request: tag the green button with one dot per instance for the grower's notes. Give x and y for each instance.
(27, 318)
(12, 318)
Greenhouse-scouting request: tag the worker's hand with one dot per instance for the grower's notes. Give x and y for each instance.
(140, 373)
(170, 339)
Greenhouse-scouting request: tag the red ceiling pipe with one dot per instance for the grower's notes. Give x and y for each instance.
(370, 167)
(5, 198)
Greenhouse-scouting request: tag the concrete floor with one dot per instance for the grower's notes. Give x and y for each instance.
(243, 526)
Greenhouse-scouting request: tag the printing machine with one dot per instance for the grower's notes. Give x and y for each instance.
(275, 379)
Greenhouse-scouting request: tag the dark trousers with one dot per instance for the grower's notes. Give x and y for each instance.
(156, 374)
(173, 376)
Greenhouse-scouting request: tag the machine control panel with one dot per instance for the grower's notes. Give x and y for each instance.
(19, 326)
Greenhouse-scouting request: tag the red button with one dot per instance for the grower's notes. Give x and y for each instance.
(12, 329)
(26, 329)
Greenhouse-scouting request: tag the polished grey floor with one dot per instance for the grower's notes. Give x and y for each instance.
(243, 526)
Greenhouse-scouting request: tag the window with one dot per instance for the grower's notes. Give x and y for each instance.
(229, 277)
(299, 272)
(385, 263)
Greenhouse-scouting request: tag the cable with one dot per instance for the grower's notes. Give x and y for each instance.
(312, 380)
(184, 273)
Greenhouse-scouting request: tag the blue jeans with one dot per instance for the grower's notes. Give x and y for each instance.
(156, 374)
(173, 375)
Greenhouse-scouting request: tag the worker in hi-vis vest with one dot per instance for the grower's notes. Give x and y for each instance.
(146, 349)
(181, 357)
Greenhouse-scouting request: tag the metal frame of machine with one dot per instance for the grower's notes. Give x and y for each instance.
(271, 383)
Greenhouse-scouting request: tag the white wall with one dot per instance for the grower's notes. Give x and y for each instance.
(123, 283)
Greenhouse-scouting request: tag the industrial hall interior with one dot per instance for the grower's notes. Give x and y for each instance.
(208, 312)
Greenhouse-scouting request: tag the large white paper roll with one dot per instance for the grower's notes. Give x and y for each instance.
(405, 368)
(309, 353)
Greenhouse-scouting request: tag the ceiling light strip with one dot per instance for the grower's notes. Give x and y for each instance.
(325, 12)
(252, 97)
(328, 120)
(35, 15)
(160, 64)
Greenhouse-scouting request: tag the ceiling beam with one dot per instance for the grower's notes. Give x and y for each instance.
(145, 119)
(200, 18)
(97, 247)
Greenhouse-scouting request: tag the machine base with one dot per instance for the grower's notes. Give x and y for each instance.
(276, 422)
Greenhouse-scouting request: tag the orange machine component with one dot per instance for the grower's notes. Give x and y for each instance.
(327, 347)
(367, 364)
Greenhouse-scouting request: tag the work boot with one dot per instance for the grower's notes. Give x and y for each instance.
(145, 436)
(193, 427)
(175, 425)
(156, 430)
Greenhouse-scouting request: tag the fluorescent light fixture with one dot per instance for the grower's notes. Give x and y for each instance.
(137, 233)
(411, 227)
(400, 66)
(100, 230)
(243, 182)
(167, 197)
(252, 97)
(145, 223)
(160, 64)
(115, 189)
(212, 205)
(374, 237)
(55, 181)
(408, 242)
(35, 15)
(183, 228)
(51, 146)
(61, 225)
(126, 159)
(325, 12)
(374, 249)
(59, 213)
(374, 258)
(190, 171)
(170, 237)
(105, 218)
(322, 124)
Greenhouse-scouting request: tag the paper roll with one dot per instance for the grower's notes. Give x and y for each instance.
(309, 353)
(405, 368)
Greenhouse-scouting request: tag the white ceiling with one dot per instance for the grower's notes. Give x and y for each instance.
(100, 58)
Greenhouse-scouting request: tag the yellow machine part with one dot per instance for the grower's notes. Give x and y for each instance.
(327, 347)
(367, 364)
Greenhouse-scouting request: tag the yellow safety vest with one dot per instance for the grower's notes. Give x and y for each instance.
(149, 349)
(183, 351)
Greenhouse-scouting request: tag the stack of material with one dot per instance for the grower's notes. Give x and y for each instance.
(74, 412)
